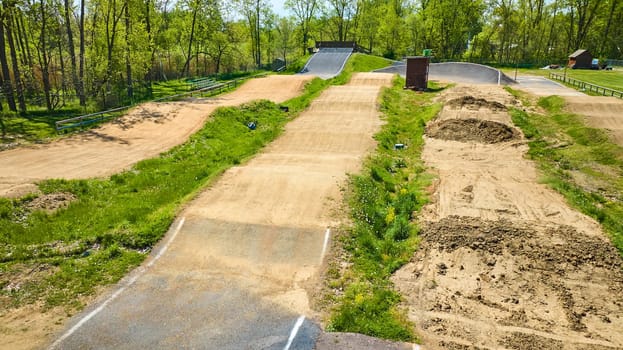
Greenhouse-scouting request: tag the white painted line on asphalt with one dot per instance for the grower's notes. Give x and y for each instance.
(344, 64)
(166, 245)
(295, 330)
(114, 296)
(325, 244)
(416, 347)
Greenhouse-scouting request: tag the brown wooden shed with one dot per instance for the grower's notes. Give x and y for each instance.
(580, 59)
(417, 73)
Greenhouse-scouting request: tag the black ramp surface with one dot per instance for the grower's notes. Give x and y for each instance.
(216, 301)
(459, 72)
(327, 62)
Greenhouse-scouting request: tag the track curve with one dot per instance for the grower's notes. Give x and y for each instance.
(459, 72)
(146, 131)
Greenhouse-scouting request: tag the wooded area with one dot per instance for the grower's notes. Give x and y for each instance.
(59, 52)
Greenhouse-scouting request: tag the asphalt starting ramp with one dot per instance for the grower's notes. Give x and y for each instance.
(459, 72)
(327, 62)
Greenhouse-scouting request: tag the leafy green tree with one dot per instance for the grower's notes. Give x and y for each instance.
(304, 11)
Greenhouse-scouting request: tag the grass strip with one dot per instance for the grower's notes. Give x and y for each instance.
(580, 162)
(383, 200)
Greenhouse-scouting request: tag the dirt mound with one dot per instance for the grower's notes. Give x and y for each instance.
(51, 202)
(514, 285)
(464, 130)
(564, 246)
(473, 103)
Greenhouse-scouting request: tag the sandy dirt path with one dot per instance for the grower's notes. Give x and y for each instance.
(144, 132)
(237, 275)
(504, 263)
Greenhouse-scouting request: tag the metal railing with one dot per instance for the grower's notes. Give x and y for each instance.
(615, 63)
(584, 86)
(88, 119)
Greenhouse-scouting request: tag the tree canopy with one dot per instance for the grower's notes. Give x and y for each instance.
(99, 50)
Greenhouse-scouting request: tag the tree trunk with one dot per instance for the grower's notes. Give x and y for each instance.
(30, 60)
(152, 61)
(128, 64)
(1, 86)
(186, 69)
(72, 50)
(81, 93)
(258, 34)
(7, 86)
(16, 74)
(45, 64)
(605, 40)
(19, 39)
(61, 61)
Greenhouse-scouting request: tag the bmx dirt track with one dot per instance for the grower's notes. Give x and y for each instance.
(504, 263)
(250, 247)
(144, 132)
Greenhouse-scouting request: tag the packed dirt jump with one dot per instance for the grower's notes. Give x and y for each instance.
(504, 263)
(600, 112)
(146, 131)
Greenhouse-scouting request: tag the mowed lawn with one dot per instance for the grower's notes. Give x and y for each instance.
(612, 79)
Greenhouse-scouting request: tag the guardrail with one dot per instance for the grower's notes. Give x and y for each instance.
(587, 86)
(201, 83)
(615, 63)
(88, 119)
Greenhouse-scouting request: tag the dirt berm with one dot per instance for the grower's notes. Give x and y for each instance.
(504, 263)
(600, 112)
(146, 131)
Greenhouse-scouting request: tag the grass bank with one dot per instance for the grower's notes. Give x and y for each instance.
(382, 200)
(580, 162)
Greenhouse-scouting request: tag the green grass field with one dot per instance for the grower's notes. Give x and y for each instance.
(611, 79)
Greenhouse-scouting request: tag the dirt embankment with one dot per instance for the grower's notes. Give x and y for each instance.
(144, 132)
(600, 112)
(504, 263)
